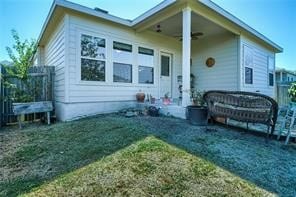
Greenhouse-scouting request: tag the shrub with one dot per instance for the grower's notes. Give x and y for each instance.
(292, 92)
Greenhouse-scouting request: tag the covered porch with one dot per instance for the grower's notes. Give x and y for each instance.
(209, 54)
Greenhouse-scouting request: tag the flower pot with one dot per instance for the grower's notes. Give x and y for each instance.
(152, 100)
(197, 115)
(140, 97)
(166, 101)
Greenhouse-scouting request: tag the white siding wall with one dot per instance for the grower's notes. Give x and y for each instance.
(224, 74)
(260, 68)
(53, 54)
(83, 91)
(40, 56)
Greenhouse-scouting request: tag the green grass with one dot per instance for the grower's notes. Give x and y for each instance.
(40, 153)
(148, 167)
(106, 156)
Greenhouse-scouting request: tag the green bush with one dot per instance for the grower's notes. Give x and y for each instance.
(292, 92)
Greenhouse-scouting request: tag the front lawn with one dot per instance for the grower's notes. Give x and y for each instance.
(114, 155)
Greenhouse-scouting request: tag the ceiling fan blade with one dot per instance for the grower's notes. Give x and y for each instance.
(197, 34)
(194, 36)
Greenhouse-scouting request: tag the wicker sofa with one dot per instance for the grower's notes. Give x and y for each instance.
(242, 106)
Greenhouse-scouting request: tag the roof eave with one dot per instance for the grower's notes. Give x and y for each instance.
(152, 11)
(92, 12)
(82, 9)
(52, 8)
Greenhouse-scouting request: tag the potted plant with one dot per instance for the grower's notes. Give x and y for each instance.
(140, 96)
(292, 93)
(166, 99)
(152, 99)
(197, 113)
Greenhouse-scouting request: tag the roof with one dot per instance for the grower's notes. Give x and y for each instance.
(286, 71)
(160, 7)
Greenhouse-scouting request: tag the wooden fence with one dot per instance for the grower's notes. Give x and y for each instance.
(41, 83)
(282, 94)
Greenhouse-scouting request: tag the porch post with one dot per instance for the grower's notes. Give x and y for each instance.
(186, 50)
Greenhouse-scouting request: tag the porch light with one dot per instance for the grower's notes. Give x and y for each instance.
(158, 30)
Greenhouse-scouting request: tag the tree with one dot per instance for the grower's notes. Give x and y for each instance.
(21, 54)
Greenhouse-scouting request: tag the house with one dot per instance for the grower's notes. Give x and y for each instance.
(102, 61)
(285, 76)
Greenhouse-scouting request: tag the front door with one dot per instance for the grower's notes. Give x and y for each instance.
(165, 74)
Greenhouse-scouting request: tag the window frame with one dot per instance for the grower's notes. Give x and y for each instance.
(248, 49)
(153, 73)
(105, 77)
(123, 50)
(131, 72)
(143, 53)
(169, 68)
(252, 83)
(79, 34)
(140, 64)
(270, 71)
(109, 59)
(115, 60)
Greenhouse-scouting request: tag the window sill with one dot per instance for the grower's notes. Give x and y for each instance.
(118, 84)
(248, 85)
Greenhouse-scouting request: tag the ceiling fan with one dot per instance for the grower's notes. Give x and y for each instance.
(194, 36)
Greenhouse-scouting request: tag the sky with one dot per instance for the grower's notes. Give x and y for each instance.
(275, 19)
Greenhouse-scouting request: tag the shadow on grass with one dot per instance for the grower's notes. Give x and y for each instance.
(268, 164)
(38, 154)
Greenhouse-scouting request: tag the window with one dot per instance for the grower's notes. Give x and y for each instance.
(284, 76)
(92, 70)
(248, 64)
(165, 65)
(146, 64)
(92, 58)
(122, 73)
(271, 79)
(146, 51)
(271, 68)
(248, 56)
(146, 74)
(122, 65)
(122, 47)
(248, 75)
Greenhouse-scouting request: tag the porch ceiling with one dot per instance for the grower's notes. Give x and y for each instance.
(173, 26)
